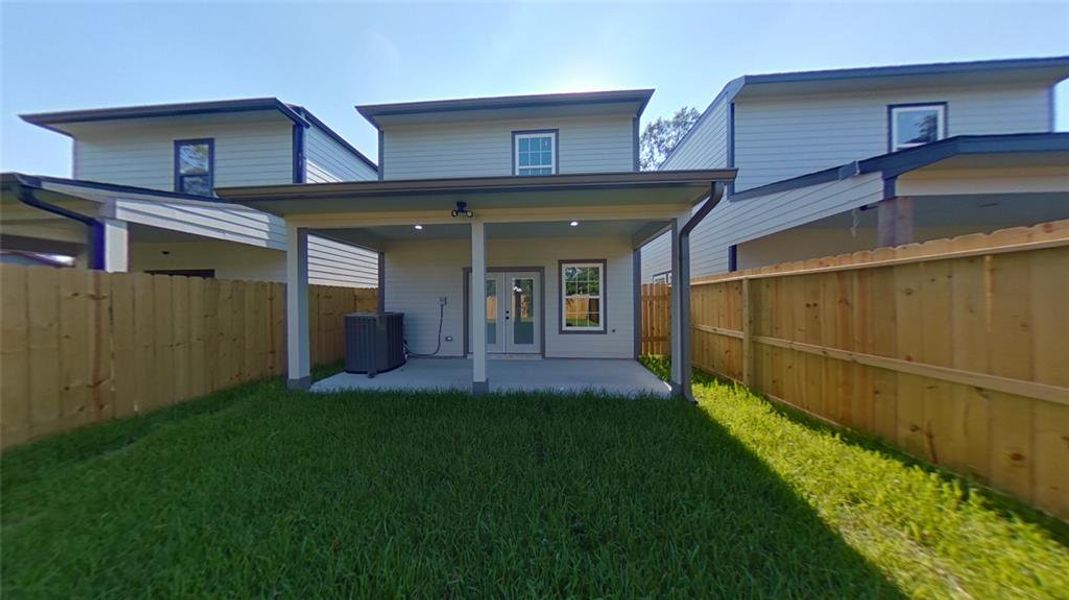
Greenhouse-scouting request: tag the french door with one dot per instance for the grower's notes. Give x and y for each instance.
(513, 313)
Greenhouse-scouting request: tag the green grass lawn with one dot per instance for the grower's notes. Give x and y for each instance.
(259, 492)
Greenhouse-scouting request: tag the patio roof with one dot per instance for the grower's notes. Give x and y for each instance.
(591, 189)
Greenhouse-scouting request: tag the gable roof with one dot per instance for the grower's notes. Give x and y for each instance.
(637, 98)
(1047, 70)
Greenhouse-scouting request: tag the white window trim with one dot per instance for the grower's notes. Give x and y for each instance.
(564, 327)
(517, 136)
(941, 111)
(664, 277)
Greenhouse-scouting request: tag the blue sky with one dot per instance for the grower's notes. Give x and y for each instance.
(330, 56)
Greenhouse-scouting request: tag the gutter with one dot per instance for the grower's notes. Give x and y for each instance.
(716, 194)
(95, 229)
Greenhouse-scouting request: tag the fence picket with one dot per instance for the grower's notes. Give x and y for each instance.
(974, 328)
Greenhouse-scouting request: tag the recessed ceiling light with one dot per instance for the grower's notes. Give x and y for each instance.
(574, 223)
(419, 227)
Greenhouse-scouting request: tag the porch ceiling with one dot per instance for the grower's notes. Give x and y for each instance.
(549, 229)
(598, 189)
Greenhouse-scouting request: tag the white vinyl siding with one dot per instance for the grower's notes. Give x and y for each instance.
(246, 152)
(591, 144)
(706, 146)
(736, 222)
(418, 272)
(329, 263)
(790, 136)
(328, 161)
(656, 256)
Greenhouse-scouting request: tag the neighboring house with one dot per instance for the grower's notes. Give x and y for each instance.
(144, 177)
(532, 205)
(837, 161)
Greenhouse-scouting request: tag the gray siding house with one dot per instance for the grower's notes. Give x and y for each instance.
(784, 132)
(148, 175)
(509, 228)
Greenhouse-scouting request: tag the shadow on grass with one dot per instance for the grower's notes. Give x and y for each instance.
(1002, 503)
(264, 492)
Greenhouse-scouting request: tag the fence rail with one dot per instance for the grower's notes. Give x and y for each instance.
(79, 347)
(956, 350)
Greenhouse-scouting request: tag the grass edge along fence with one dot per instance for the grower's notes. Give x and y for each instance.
(80, 347)
(955, 350)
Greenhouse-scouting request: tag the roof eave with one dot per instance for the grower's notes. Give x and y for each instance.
(475, 184)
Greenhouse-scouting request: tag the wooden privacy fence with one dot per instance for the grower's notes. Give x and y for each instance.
(656, 301)
(79, 347)
(956, 350)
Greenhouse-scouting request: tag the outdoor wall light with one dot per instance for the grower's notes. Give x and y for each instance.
(462, 210)
(574, 223)
(419, 227)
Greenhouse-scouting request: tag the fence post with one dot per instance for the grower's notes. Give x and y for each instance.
(747, 334)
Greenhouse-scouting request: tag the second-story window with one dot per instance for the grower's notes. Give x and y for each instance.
(914, 125)
(534, 152)
(194, 166)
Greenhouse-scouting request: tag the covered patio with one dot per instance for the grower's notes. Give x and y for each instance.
(440, 239)
(558, 375)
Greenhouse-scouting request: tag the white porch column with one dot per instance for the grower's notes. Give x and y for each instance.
(479, 383)
(680, 307)
(116, 246)
(297, 349)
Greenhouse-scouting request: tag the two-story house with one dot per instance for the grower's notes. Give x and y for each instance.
(143, 181)
(837, 161)
(509, 228)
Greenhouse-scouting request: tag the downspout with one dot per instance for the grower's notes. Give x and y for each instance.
(716, 193)
(95, 229)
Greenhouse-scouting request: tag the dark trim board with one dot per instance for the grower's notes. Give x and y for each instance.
(297, 148)
(202, 273)
(639, 96)
(890, 120)
(334, 135)
(730, 154)
(604, 295)
(161, 110)
(466, 277)
(96, 185)
(211, 161)
(382, 155)
(556, 148)
(698, 179)
(635, 144)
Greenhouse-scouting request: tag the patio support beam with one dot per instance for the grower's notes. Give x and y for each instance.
(678, 377)
(116, 246)
(297, 346)
(681, 325)
(479, 383)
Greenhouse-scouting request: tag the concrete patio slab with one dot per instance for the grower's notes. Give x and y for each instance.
(623, 377)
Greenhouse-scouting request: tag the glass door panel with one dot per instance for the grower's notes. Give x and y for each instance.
(523, 314)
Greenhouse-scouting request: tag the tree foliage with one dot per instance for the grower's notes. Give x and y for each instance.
(661, 136)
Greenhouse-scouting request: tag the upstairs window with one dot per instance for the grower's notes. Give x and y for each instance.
(194, 166)
(534, 152)
(914, 125)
